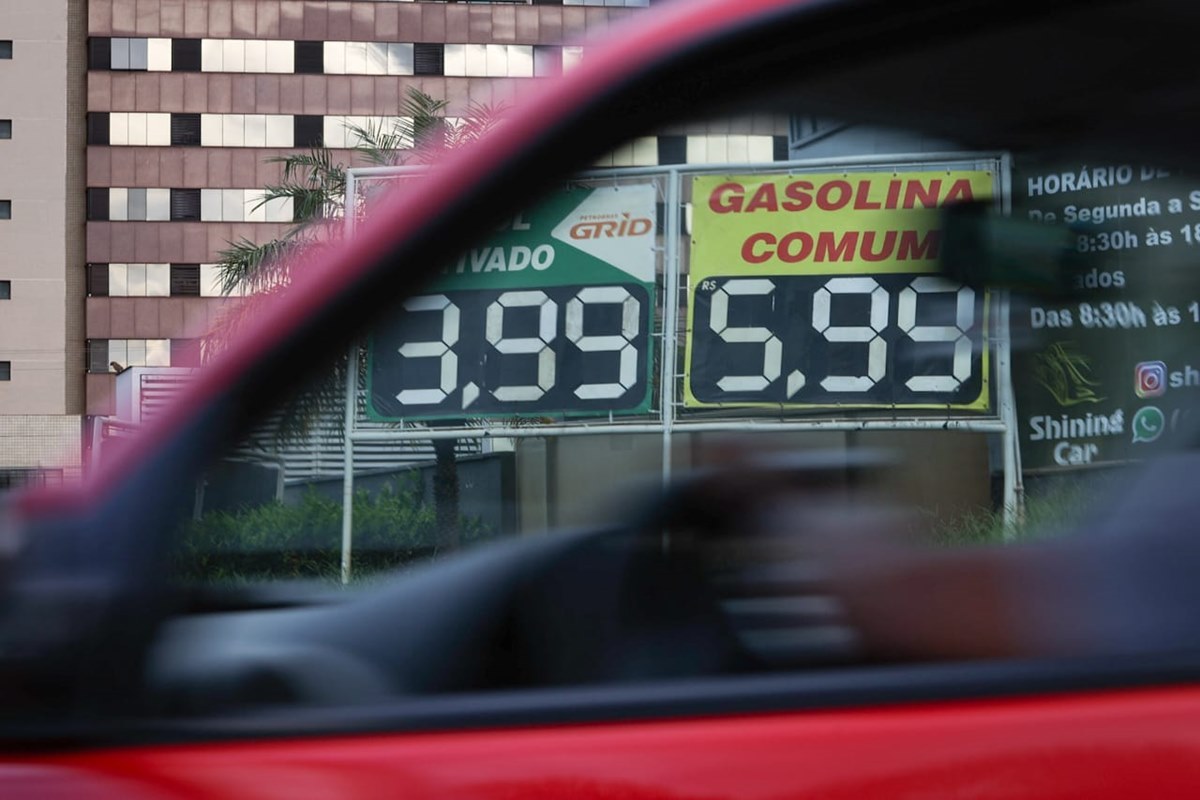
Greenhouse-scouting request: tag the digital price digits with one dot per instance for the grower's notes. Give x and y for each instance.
(890, 339)
(491, 352)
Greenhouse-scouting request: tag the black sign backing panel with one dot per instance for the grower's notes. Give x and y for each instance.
(904, 340)
(480, 352)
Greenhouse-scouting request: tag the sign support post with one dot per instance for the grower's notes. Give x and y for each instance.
(351, 398)
(670, 319)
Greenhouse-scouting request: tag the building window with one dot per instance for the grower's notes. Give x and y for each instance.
(307, 130)
(547, 60)
(99, 53)
(97, 280)
(97, 205)
(212, 283)
(158, 55)
(428, 58)
(139, 205)
(5, 370)
(5, 48)
(143, 280)
(729, 149)
(16, 477)
(137, 128)
(5, 128)
(185, 280)
(5, 290)
(367, 58)
(185, 205)
(247, 130)
(130, 54)
(243, 205)
(672, 150)
(5, 209)
(185, 130)
(97, 127)
(185, 352)
(489, 60)
(116, 355)
(139, 280)
(310, 58)
(185, 55)
(97, 355)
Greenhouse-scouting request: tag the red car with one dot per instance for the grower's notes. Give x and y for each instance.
(601, 662)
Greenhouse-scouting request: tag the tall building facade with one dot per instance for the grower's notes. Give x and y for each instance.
(42, 84)
(189, 100)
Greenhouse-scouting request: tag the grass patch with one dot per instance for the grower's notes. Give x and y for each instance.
(1052, 509)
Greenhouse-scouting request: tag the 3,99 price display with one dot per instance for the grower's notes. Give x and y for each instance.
(479, 352)
(904, 340)
(552, 317)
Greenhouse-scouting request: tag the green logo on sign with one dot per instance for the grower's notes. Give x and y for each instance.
(1148, 424)
(1063, 372)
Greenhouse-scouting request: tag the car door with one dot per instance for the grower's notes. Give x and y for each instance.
(1103, 724)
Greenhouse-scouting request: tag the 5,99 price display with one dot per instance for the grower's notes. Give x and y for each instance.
(814, 291)
(905, 340)
(551, 318)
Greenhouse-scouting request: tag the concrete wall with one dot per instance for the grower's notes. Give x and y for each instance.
(34, 176)
(589, 480)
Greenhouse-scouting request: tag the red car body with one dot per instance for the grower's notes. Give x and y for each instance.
(1099, 744)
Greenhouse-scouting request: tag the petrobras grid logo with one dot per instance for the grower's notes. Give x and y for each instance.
(1150, 379)
(615, 224)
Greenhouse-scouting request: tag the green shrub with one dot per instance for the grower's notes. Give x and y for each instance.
(392, 528)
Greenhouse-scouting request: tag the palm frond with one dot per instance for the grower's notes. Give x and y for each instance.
(308, 202)
(428, 118)
(480, 120)
(315, 184)
(380, 146)
(241, 266)
(316, 167)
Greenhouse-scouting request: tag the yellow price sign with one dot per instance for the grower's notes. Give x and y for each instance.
(819, 290)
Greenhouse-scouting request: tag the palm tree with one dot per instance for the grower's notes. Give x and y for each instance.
(316, 183)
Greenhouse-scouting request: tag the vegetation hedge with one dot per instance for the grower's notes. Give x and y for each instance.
(392, 527)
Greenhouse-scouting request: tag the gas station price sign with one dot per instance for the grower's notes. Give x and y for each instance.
(819, 291)
(553, 316)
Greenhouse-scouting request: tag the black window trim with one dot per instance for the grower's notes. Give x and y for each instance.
(841, 688)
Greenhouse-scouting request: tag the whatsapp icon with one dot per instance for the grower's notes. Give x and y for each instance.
(1148, 424)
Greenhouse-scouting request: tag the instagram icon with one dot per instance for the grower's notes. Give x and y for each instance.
(1150, 379)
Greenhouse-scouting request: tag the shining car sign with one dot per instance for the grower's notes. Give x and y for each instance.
(552, 316)
(818, 291)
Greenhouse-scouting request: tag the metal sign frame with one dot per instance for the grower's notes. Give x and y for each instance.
(1002, 422)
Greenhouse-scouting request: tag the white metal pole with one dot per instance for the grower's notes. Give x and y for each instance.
(1014, 495)
(670, 318)
(348, 211)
